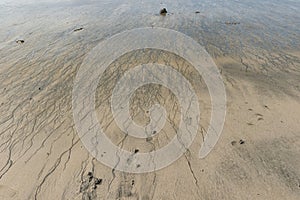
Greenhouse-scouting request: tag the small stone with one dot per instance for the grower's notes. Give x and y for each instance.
(20, 41)
(136, 151)
(233, 143)
(163, 11)
(197, 12)
(149, 139)
(242, 142)
(154, 132)
(90, 174)
(138, 165)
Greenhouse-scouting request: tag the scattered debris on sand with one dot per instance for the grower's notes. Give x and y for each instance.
(235, 142)
(163, 12)
(232, 23)
(20, 41)
(78, 29)
(89, 185)
(98, 181)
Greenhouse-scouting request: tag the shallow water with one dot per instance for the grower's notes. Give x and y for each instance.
(269, 25)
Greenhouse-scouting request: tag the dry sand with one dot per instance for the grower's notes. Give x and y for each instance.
(256, 48)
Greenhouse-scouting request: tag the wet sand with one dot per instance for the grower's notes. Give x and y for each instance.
(255, 45)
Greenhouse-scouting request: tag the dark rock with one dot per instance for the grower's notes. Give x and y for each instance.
(197, 12)
(136, 151)
(163, 11)
(242, 141)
